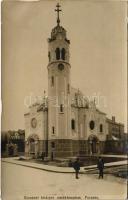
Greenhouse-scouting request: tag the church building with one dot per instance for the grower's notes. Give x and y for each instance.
(66, 123)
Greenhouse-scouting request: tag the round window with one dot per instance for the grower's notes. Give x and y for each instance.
(92, 125)
(33, 122)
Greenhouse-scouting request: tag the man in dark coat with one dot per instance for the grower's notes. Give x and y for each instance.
(76, 167)
(100, 166)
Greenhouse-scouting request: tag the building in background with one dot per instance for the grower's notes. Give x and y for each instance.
(115, 129)
(13, 143)
(116, 139)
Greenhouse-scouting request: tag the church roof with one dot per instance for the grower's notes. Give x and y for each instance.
(58, 30)
(78, 99)
(100, 112)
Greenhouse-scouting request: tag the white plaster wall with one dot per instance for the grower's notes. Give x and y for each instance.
(41, 128)
(98, 118)
(58, 94)
(74, 115)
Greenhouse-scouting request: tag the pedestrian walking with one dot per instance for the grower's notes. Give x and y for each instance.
(100, 166)
(76, 167)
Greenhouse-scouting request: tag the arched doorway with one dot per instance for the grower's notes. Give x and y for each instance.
(93, 144)
(33, 144)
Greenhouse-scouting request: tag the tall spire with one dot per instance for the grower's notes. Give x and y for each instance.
(58, 10)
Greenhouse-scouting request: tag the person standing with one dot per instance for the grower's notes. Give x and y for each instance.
(76, 167)
(100, 166)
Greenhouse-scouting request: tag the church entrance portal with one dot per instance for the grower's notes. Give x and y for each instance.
(93, 145)
(32, 146)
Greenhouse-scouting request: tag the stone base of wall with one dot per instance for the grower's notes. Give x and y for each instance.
(63, 148)
(70, 148)
(60, 148)
(83, 147)
(102, 147)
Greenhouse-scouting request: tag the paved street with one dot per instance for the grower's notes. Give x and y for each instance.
(52, 168)
(19, 181)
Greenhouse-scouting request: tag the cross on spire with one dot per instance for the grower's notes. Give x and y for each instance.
(58, 10)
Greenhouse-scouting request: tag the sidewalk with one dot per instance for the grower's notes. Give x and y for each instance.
(116, 156)
(50, 168)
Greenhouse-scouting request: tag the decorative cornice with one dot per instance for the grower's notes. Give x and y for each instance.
(58, 61)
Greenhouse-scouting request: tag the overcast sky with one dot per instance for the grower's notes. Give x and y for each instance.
(97, 31)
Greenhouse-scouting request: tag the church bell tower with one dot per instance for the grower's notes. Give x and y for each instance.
(59, 89)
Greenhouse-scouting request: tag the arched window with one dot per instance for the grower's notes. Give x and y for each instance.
(101, 128)
(63, 54)
(68, 88)
(49, 56)
(52, 81)
(53, 130)
(73, 124)
(57, 53)
(92, 124)
(61, 108)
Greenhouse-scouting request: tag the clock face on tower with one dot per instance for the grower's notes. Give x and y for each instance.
(60, 66)
(33, 122)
